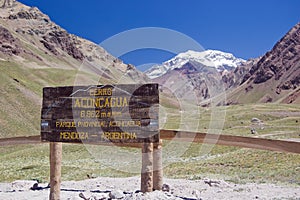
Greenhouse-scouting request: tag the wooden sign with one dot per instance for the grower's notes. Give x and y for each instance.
(101, 114)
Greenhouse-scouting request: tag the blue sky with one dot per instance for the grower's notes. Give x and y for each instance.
(245, 28)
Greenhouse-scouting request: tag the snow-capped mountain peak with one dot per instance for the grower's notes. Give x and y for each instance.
(210, 58)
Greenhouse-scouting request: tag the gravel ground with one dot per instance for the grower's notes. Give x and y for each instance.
(128, 188)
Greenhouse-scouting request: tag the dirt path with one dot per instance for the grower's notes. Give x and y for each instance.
(127, 188)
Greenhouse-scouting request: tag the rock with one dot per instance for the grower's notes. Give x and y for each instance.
(22, 15)
(35, 186)
(81, 195)
(255, 120)
(155, 195)
(263, 76)
(253, 131)
(165, 188)
(287, 85)
(8, 43)
(90, 196)
(292, 97)
(20, 31)
(130, 67)
(102, 196)
(61, 39)
(267, 99)
(212, 183)
(26, 15)
(116, 194)
(21, 185)
(12, 17)
(197, 194)
(50, 47)
(91, 176)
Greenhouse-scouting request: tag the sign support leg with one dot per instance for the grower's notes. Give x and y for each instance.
(147, 168)
(157, 166)
(55, 170)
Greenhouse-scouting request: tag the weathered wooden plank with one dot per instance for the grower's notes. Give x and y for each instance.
(36, 139)
(101, 90)
(110, 106)
(75, 113)
(94, 136)
(101, 102)
(100, 124)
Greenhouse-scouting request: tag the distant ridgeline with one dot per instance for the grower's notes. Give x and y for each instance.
(104, 113)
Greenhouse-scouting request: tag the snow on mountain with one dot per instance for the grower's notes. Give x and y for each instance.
(211, 58)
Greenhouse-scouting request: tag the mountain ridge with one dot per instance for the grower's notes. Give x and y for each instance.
(211, 58)
(35, 53)
(37, 36)
(275, 77)
(198, 76)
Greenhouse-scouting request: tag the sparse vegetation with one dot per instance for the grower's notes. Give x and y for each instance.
(24, 74)
(22, 89)
(182, 160)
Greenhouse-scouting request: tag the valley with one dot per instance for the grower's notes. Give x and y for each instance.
(181, 159)
(208, 92)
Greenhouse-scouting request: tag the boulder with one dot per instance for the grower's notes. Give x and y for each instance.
(116, 194)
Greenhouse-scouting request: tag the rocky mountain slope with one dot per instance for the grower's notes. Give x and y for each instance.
(233, 78)
(28, 33)
(211, 58)
(275, 77)
(34, 53)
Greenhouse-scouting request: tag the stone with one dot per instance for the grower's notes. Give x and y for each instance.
(255, 120)
(22, 185)
(50, 47)
(165, 188)
(116, 194)
(9, 44)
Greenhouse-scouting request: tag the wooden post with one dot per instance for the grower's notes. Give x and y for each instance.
(147, 168)
(55, 170)
(157, 166)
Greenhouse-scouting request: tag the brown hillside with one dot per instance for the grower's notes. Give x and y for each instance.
(276, 76)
